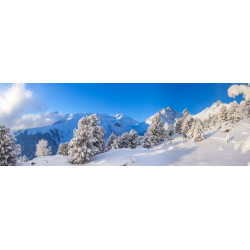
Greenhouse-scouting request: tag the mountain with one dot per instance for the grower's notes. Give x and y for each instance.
(62, 131)
(214, 109)
(168, 116)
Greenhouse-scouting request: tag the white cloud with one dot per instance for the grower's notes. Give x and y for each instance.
(17, 105)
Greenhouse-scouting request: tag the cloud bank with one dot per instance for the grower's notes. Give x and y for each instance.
(17, 108)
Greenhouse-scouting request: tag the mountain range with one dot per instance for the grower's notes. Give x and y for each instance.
(62, 130)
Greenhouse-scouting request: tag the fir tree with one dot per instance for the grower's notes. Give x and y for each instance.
(125, 140)
(8, 149)
(112, 137)
(81, 147)
(25, 159)
(198, 134)
(133, 139)
(100, 143)
(118, 141)
(147, 140)
(157, 129)
(114, 145)
(42, 148)
(63, 149)
(170, 132)
(232, 111)
(222, 115)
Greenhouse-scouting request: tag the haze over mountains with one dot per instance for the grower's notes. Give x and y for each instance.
(62, 130)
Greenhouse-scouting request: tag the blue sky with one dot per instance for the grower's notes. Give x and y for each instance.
(139, 101)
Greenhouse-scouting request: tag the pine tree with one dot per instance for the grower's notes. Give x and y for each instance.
(222, 114)
(198, 134)
(133, 139)
(114, 145)
(99, 135)
(42, 148)
(232, 111)
(192, 129)
(81, 147)
(118, 141)
(238, 114)
(185, 112)
(125, 140)
(178, 125)
(147, 140)
(170, 132)
(8, 149)
(157, 129)
(25, 159)
(63, 149)
(112, 137)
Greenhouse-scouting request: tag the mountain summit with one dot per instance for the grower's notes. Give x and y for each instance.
(168, 116)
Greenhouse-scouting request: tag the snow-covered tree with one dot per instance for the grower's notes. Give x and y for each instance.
(118, 141)
(112, 137)
(63, 149)
(170, 132)
(185, 112)
(192, 129)
(215, 118)
(198, 134)
(99, 135)
(8, 149)
(232, 111)
(147, 140)
(114, 145)
(81, 146)
(25, 159)
(125, 140)
(133, 139)
(139, 140)
(178, 126)
(42, 148)
(222, 114)
(157, 129)
(186, 125)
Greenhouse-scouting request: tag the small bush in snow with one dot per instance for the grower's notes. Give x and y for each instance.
(226, 130)
(32, 163)
(25, 159)
(133, 160)
(227, 138)
(238, 145)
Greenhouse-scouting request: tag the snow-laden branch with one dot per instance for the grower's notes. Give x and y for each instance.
(235, 90)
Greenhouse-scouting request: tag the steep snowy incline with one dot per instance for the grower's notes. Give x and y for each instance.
(212, 151)
(168, 116)
(214, 109)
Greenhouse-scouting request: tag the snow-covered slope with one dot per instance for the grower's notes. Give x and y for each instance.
(168, 116)
(214, 109)
(213, 151)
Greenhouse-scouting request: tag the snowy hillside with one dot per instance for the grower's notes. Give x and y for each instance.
(213, 150)
(214, 109)
(168, 116)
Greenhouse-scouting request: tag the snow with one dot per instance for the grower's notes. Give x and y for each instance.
(214, 109)
(212, 151)
(168, 116)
